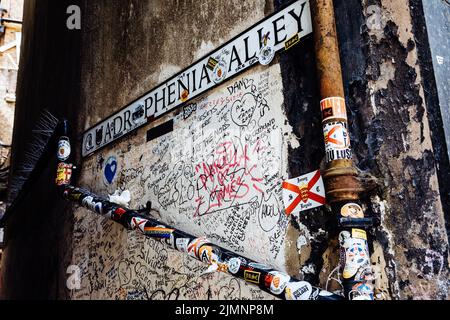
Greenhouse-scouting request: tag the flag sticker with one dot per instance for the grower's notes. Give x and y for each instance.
(303, 193)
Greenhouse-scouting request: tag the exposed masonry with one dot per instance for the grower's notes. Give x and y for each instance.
(393, 132)
(391, 139)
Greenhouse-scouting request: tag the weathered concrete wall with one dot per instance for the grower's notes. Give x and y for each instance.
(166, 39)
(128, 47)
(389, 127)
(392, 139)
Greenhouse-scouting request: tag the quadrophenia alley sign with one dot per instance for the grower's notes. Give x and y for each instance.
(258, 44)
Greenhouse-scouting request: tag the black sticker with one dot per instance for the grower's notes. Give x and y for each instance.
(160, 130)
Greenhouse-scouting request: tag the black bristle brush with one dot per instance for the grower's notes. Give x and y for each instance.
(39, 151)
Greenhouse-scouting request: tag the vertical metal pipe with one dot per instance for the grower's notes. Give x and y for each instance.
(341, 177)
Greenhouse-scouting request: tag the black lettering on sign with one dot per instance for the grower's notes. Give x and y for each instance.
(160, 130)
(293, 22)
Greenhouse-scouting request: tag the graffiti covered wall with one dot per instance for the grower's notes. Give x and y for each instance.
(125, 49)
(217, 174)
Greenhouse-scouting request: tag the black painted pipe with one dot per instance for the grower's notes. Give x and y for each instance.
(269, 280)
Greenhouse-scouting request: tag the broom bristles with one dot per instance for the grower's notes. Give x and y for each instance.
(41, 134)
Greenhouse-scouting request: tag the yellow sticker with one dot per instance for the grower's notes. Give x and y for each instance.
(63, 173)
(252, 276)
(291, 41)
(359, 234)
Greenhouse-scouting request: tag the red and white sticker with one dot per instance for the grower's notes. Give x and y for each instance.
(337, 141)
(138, 223)
(303, 193)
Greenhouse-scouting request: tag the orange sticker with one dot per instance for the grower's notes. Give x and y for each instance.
(184, 95)
(63, 174)
(333, 108)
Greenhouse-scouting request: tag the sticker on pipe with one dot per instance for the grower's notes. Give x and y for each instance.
(303, 193)
(300, 290)
(63, 173)
(278, 282)
(333, 108)
(337, 141)
(63, 149)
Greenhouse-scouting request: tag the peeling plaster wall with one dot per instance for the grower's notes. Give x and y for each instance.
(127, 48)
(392, 140)
(389, 127)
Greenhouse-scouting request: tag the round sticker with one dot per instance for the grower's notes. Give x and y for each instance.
(63, 149)
(234, 265)
(300, 290)
(352, 210)
(219, 72)
(279, 282)
(266, 55)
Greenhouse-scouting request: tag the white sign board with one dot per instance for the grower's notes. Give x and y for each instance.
(280, 30)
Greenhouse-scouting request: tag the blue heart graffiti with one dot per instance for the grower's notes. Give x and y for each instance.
(110, 169)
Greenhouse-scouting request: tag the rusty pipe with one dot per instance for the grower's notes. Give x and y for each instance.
(340, 171)
(342, 185)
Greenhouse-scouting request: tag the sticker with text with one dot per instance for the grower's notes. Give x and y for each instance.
(337, 141)
(333, 108)
(303, 193)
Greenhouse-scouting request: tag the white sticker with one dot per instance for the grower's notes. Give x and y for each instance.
(279, 282)
(63, 149)
(240, 53)
(266, 55)
(300, 290)
(337, 141)
(181, 244)
(356, 256)
(303, 193)
(234, 265)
